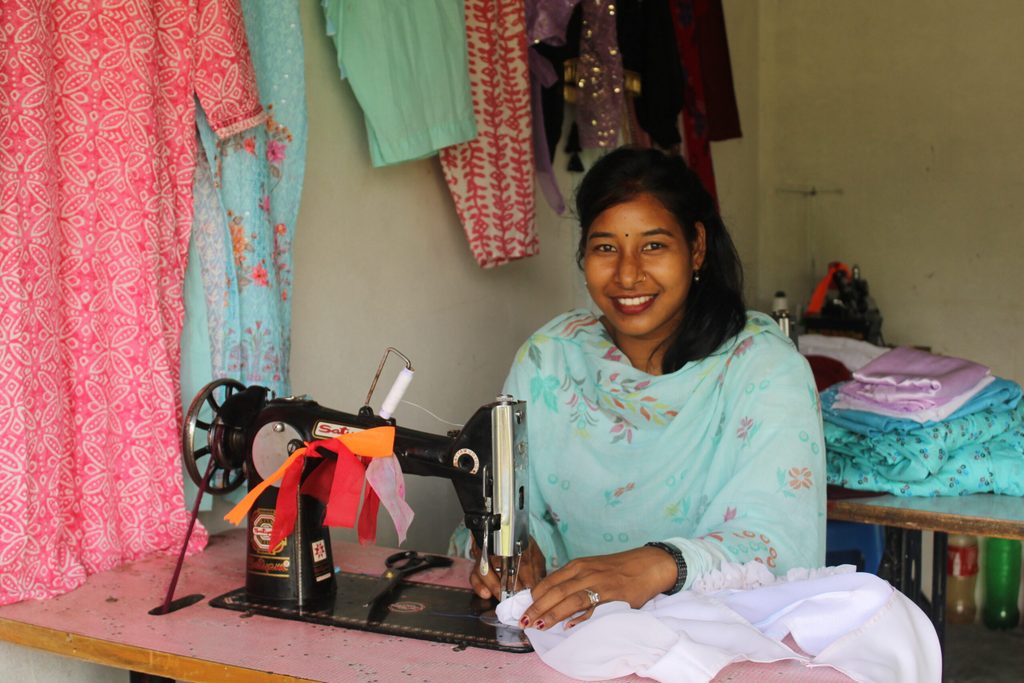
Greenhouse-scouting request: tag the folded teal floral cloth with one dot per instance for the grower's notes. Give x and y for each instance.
(981, 451)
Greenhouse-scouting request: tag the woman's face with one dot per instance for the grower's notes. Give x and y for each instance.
(639, 269)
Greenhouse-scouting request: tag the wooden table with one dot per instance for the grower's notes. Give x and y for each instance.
(106, 621)
(979, 515)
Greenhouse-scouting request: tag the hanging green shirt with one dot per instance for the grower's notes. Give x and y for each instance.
(408, 68)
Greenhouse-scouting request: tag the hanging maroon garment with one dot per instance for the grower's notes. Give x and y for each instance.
(709, 104)
(695, 124)
(716, 72)
(97, 152)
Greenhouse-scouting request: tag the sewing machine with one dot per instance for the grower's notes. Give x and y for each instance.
(248, 434)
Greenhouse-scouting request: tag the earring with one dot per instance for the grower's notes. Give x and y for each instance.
(696, 276)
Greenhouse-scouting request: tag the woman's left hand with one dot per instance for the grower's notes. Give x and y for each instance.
(634, 576)
(531, 571)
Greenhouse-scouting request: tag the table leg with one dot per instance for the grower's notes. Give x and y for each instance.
(901, 566)
(889, 566)
(140, 677)
(938, 614)
(902, 561)
(907, 563)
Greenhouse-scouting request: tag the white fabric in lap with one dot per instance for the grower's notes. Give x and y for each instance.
(853, 622)
(816, 611)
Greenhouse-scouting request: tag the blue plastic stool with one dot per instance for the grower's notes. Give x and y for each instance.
(853, 543)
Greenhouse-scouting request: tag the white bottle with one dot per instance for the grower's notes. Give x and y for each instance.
(780, 312)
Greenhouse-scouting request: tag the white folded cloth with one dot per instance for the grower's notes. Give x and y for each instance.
(854, 622)
(853, 353)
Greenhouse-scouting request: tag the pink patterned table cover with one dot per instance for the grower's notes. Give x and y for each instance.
(114, 606)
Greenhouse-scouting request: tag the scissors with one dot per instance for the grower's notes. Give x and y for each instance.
(401, 565)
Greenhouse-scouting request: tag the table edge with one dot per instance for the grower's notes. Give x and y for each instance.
(861, 510)
(131, 657)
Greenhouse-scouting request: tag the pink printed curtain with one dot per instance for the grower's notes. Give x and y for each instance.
(97, 150)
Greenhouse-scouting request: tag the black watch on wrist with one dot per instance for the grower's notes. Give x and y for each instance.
(677, 556)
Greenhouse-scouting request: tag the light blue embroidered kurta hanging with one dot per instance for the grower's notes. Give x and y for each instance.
(258, 178)
(246, 202)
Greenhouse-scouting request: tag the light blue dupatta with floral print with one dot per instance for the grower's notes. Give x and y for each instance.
(723, 458)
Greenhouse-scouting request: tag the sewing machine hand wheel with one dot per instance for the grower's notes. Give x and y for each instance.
(205, 434)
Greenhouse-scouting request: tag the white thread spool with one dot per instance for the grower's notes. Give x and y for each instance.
(397, 392)
(780, 303)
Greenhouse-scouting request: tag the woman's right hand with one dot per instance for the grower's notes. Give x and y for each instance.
(531, 571)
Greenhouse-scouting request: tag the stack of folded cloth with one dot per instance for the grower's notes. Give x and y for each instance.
(917, 424)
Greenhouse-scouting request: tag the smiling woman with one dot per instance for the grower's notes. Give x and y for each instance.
(663, 434)
(651, 211)
(639, 270)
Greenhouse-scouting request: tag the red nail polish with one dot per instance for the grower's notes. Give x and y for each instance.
(540, 624)
(525, 621)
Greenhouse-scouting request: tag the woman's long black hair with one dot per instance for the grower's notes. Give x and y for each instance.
(715, 310)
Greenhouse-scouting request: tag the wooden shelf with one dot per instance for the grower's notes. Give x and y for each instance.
(980, 515)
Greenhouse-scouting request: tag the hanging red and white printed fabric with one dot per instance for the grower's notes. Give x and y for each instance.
(491, 176)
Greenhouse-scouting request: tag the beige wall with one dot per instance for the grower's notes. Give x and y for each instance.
(737, 172)
(911, 110)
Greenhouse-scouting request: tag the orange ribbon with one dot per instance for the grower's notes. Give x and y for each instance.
(378, 442)
(821, 291)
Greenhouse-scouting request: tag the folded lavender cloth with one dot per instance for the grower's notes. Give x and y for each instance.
(906, 381)
(919, 409)
(912, 372)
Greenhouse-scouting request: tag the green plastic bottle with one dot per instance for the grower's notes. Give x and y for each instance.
(1001, 575)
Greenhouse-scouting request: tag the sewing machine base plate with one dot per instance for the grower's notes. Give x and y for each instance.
(413, 610)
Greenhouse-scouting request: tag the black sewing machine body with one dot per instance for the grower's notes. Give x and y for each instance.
(251, 435)
(848, 311)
